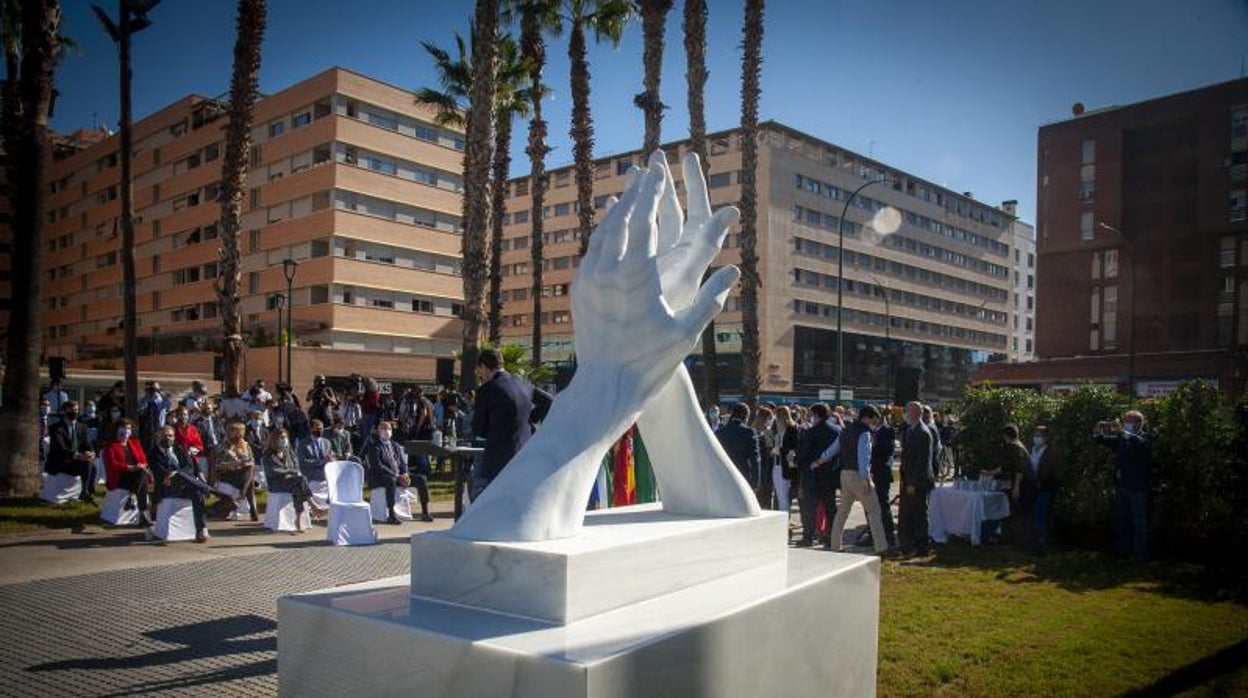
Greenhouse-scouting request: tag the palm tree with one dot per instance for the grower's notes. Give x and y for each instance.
(537, 18)
(244, 84)
(131, 18)
(511, 99)
(751, 72)
(606, 18)
(477, 139)
(653, 21)
(695, 78)
(32, 45)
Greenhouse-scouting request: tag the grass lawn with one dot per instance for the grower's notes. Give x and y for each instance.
(993, 622)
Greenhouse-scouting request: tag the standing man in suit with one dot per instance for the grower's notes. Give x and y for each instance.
(69, 449)
(816, 478)
(917, 480)
(883, 449)
(1133, 451)
(740, 442)
(1041, 476)
(504, 412)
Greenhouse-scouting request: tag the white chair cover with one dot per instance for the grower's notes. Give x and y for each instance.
(244, 509)
(279, 513)
(404, 497)
(175, 520)
(349, 521)
(320, 492)
(114, 510)
(61, 488)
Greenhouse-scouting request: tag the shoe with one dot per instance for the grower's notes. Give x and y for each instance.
(129, 505)
(426, 518)
(148, 534)
(392, 520)
(254, 516)
(202, 537)
(803, 543)
(87, 499)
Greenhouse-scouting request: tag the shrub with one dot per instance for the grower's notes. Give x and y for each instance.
(1086, 498)
(983, 412)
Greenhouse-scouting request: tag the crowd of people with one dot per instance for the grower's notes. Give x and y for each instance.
(197, 447)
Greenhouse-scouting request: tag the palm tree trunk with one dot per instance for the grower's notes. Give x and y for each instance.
(695, 78)
(30, 86)
(653, 22)
(252, 17)
(533, 50)
(502, 164)
(130, 350)
(582, 131)
(751, 72)
(477, 154)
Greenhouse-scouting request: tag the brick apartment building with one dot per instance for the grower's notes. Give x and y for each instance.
(923, 306)
(1143, 245)
(348, 176)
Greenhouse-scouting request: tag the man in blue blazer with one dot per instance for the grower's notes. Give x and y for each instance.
(740, 442)
(504, 412)
(817, 479)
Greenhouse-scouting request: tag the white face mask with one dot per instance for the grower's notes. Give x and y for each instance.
(1037, 441)
(384, 434)
(123, 434)
(1129, 427)
(283, 444)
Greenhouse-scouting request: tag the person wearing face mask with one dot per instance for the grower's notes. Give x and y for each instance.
(816, 477)
(234, 463)
(210, 425)
(125, 467)
(114, 397)
(153, 414)
(917, 480)
(1133, 460)
(314, 452)
(281, 471)
(70, 451)
(1011, 467)
(340, 440)
(187, 436)
(1040, 480)
(257, 433)
(175, 469)
(385, 461)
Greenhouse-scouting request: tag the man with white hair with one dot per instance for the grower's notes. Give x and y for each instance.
(917, 480)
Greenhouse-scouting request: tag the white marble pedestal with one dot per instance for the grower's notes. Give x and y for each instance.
(698, 618)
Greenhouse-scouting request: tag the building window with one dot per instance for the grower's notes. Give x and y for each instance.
(1239, 123)
(522, 187)
(301, 120)
(1085, 225)
(1096, 265)
(253, 241)
(1088, 152)
(1109, 317)
(719, 179)
(1111, 264)
(276, 128)
(1226, 252)
(562, 209)
(1239, 205)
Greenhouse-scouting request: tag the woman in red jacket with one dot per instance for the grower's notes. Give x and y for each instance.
(125, 466)
(187, 436)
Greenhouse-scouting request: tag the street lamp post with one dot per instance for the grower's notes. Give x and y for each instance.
(888, 344)
(840, 288)
(1129, 246)
(278, 302)
(289, 267)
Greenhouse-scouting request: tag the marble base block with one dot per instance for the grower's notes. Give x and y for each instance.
(804, 626)
(622, 556)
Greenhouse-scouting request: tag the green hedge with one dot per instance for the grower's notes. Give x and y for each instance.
(1199, 506)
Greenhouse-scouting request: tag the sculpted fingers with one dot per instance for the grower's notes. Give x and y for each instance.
(708, 302)
(696, 197)
(671, 217)
(643, 223)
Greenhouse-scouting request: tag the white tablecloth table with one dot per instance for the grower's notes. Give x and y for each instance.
(962, 512)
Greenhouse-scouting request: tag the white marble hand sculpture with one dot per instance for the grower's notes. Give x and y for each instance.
(630, 341)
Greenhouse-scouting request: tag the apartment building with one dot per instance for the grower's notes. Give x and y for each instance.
(1023, 336)
(1143, 245)
(924, 304)
(348, 177)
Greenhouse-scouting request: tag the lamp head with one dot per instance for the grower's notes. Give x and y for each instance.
(289, 266)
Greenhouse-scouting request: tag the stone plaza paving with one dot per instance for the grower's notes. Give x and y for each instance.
(174, 619)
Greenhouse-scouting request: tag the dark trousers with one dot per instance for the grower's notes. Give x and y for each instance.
(815, 490)
(912, 520)
(193, 489)
(763, 485)
(1131, 522)
(421, 483)
(135, 482)
(478, 480)
(1040, 521)
(882, 483)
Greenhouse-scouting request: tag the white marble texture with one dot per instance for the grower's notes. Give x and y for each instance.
(639, 305)
(804, 627)
(621, 556)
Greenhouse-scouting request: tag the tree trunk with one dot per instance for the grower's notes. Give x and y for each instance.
(653, 21)
(477, 146)
(582, 131)
(751, 71)
(695, 78)
(502, 164)
(130, 344)
(533, 50)
(25, 142)
(252, 17)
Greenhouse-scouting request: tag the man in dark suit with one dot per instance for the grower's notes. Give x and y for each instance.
(69, 449)
(504, 412)
(314, 452)
(176, 472)
(385, 463)
(740, 442)
(817, 479)
(883, 448)
(917, 480)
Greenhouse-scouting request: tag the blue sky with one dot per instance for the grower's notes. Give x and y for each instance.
(951, 91)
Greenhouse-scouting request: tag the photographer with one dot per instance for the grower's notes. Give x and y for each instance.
(1133, 453)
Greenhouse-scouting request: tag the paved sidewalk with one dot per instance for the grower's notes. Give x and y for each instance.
(102, 613)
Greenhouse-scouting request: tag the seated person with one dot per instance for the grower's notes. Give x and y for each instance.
(234, 464)
(281, 470)
(70, 451)
(314, 452)
(257, 433)
(125, 467)
(385, 463)
(178, 475)
(340, 440)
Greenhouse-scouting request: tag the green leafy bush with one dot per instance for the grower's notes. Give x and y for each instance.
(1086, 499)
(983, 412)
